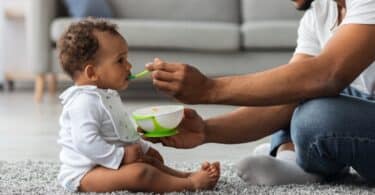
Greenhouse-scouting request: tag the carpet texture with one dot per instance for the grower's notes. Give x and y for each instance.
(36, 177)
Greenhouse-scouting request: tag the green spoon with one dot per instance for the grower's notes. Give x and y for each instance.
(141, 74)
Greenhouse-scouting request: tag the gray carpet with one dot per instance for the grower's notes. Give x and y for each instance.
(36, 177)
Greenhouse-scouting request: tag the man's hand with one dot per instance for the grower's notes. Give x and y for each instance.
(191, 132)
(133, 153)
(184, 82)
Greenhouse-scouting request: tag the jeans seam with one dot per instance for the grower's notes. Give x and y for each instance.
(338, 137)
(343, 137)
(324, 138)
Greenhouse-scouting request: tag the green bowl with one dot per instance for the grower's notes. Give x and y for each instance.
(159, 121)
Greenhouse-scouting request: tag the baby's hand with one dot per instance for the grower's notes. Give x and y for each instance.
(133, 153)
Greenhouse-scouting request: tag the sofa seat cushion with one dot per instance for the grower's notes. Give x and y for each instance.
(178, 10)
(270, 34)
(181, 35)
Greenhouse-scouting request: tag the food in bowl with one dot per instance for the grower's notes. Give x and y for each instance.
(159, 121)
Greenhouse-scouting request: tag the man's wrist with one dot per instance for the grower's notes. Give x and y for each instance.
(207, 132)
(211, 87)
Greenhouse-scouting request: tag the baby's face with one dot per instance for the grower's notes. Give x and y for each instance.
(113, 67)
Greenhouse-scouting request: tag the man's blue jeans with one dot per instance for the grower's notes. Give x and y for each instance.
(333, 133)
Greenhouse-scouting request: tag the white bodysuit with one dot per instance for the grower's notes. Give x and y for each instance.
(94, 130)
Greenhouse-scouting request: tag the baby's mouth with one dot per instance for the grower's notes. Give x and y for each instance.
(127, 78)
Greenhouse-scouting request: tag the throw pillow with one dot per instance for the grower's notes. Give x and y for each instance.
(85, 8)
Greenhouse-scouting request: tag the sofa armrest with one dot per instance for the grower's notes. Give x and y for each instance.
(39, 14)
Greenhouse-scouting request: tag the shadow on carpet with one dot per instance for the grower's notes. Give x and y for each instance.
(37, 177)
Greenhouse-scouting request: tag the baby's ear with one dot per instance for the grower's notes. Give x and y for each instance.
(90, 72)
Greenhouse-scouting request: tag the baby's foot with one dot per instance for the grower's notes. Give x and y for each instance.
(186, 174)
(214, 169)
(216, 166)
(206, 177)
(204, 166)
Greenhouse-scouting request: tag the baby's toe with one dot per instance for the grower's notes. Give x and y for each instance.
(205, 165)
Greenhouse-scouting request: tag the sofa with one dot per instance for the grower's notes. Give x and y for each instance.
(220, 37)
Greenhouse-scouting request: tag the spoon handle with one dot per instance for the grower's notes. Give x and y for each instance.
(141, 74)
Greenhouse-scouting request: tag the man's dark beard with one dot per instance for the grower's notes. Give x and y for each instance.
(306, 5)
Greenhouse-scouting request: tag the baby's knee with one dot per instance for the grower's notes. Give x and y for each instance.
(143, 174)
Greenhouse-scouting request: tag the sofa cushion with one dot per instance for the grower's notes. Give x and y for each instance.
(85, 8)
(255, 10)
(153, 34)
(270, 34)
(189, 10)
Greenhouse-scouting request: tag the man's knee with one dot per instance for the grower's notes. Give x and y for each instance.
(311, 121)
(314, 118)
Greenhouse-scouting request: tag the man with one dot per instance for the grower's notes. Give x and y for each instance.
(323, 100)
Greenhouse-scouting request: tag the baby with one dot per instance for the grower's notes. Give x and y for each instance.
(101, 149)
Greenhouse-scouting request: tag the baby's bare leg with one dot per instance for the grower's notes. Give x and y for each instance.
(156, 163)
(172, 171)
(154, 158)
(142, 177)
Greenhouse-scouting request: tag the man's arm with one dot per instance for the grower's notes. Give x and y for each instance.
(345, 56)
(251, 123)
(248, 124)
(242, 125)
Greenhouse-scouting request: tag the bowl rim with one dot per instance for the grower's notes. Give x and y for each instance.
(149, 116)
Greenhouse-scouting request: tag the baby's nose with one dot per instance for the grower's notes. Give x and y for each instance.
(127, 67)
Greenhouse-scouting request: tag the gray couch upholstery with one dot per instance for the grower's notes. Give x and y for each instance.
(221, 37)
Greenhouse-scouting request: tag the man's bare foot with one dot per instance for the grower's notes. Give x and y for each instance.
(206, 177)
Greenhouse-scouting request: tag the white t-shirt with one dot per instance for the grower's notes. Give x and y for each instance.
(319, 24)
(91, 134)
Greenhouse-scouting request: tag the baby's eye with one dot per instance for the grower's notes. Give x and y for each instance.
(120, 60)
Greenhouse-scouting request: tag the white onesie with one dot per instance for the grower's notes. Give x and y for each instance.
(94, 130)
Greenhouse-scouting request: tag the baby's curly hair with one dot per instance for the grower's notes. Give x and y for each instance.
(78, 45)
